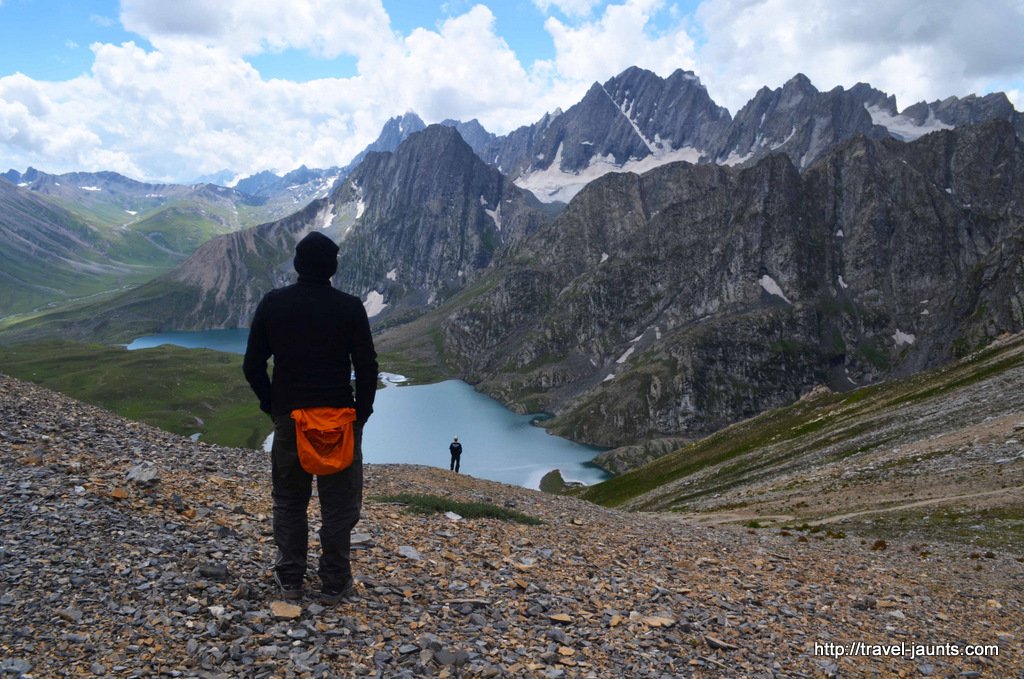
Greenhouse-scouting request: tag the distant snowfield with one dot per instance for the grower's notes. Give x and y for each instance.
(494, 214)
(374, 303)
(555, 184)
(325, 218)
(905, 128)
(901, 338)
(772, 288)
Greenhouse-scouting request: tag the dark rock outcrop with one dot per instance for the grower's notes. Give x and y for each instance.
(676, 302)
(797, 120)
(433, 214)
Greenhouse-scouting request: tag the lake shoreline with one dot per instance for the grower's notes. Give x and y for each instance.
(414, 423)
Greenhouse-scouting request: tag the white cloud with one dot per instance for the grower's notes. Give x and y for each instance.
(191, 104)
(915, 49)
(461, 70)
(324, 27)
(623, 36)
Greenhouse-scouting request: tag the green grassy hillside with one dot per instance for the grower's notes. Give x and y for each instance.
(938, 454)
(186, 391)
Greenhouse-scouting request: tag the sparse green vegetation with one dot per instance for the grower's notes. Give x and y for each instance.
(185, 391)
(998, 528)
(430, 504)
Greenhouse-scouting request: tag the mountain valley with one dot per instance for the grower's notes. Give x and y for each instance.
(813, 239)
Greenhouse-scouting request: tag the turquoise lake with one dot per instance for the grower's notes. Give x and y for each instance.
(415, 424)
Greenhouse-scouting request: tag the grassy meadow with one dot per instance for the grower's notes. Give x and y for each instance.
(185, 391)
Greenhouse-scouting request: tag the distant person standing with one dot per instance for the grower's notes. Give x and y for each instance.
(456, 450)
(317, 335)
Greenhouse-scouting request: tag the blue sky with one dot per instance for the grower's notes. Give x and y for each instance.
(50, 39)
(170, 91)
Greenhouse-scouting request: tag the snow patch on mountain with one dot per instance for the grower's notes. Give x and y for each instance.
(554, 184)
(904, 128)
(325, 218)
(374, 303)
(901, 338)
(734, 158)
(772, 288)
(495, 215)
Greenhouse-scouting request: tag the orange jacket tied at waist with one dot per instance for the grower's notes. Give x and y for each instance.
(325, 438)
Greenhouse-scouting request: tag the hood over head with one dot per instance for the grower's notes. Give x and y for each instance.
(316, 257)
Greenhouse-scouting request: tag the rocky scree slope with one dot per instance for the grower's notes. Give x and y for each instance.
(679, 301)
(128, 551)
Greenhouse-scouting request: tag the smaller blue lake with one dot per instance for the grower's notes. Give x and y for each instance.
(229, 341)
(415, 424)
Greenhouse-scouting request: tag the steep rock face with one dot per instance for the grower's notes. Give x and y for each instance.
(637, 121)
(473, 133)
(679, 301)
(432, 214)
(971, 109)
(797, 120)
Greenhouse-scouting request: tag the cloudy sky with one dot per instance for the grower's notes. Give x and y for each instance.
(170, 91)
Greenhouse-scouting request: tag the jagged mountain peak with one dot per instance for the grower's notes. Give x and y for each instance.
(443, 143)
(473, 133)
(634, 121)
(405, 124)
(800, 81)
(431, 214)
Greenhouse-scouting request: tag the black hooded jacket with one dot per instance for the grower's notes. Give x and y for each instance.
(317, 335)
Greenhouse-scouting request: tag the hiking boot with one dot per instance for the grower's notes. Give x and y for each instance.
(333, 595)
(289, 591)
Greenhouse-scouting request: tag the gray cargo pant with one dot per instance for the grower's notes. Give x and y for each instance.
(341, 498)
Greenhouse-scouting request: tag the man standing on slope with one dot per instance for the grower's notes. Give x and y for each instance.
(456, 450)
(317, 335)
